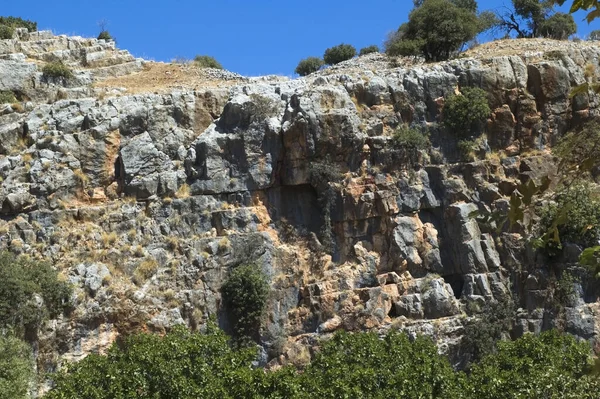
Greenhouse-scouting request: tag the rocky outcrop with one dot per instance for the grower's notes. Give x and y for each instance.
(145, 202)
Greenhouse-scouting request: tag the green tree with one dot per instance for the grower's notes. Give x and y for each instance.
(30, 293)
(18, 22)
(336, 54)
(245, 295)
(465, 114)
(309, 65)
(16, 368)
(105, 35)
(558, 26)
(595, 34)
(435, 30)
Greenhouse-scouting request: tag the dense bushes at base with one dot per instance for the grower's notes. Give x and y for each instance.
(187, 365)
(16, 368)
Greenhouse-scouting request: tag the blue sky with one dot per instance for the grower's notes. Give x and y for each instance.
(251, 37)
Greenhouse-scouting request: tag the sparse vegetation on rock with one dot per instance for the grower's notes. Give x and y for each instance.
(206, 61)
(369, 50)
(57, 69)
(464, 114)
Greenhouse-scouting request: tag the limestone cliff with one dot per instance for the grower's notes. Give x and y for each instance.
(146, 183)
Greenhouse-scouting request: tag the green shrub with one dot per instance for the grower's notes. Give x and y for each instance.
(262, 107)
(466, 150)
(369, 49)
(245, 296)
(206, 61)
(7, 97)
(483, 333)
(465, 114)
(105, 35)
(17, 22)
(341, 52)
(574, 217)
(410, 141)
(551, 365)
(559, 26)
(595, 35)
(57, 69)
(6, 32)
(436, 30)
(309, 65)
(21, 279)
(16, 368)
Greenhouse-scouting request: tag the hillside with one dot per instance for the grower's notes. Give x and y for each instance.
(146, 183)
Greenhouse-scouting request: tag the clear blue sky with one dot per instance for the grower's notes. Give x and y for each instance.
(251, 37)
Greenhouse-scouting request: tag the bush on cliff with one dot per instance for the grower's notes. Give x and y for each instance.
(6, 32)
(30, 292)
(309, 65)
(336, 54)
(245, 295)
(369, 50)
(16, 368)
(105, 35)
(464, 114)
(57, 69)
(559, 26)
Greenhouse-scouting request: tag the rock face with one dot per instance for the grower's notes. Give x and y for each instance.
(145, 202)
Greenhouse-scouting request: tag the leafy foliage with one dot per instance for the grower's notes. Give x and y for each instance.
(6, 32)
(559, 26)
(105, 35)
(369, 49)
(595, 34)
(16, 368)
(574, 217)
(466, 113)
(309, 65)
(7, 97)
(17, 22)
(206, 61)
(550, 365)
(410, 141)
(364, 366)
(579, 151)
(57, 69)
(466, 150)
(245, 295)
(341, 52)
(484, 332)
(23, 279)
(435, 30)
(593, 5)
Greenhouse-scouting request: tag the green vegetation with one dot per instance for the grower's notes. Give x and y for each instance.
(7, 97)
(466, 150)
(206, 61)
(482, 333)
(410, 141)
(17, 22)
(245, 296)
(57, 69)
(550, 365)
(595, 35)
(435, 30)
(573, 216)
(593, 5)
(22, 280)
(105, 35)
(309, 65)
(341, 52)
(6, 32)
(188, 365)
(369, 49)
(16, 368)
(465, 114)
(559, 26)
